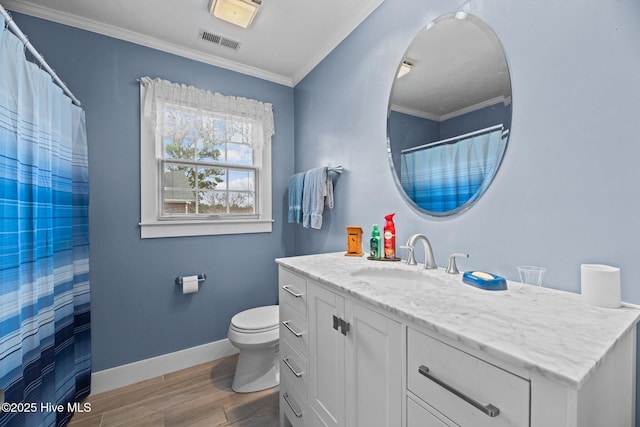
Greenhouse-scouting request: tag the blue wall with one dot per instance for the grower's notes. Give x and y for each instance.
(566, 191)
(479, 119)
(137, 310)
(562, 196)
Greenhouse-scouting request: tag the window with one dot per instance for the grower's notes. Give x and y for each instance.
(205, 162)
(202, 172)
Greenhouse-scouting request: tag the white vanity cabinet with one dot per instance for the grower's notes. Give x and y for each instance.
(373, 353)
(354, 363)
(294, 349)
(449, 384)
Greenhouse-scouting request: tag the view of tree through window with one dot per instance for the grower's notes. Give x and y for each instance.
(207, 166)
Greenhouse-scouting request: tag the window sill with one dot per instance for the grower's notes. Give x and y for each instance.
(178, 228)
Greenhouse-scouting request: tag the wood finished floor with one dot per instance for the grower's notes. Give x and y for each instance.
(196, 397)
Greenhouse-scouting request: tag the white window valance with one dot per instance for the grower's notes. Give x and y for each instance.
(162, 93)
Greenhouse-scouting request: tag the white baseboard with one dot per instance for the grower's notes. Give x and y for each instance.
(141, 370)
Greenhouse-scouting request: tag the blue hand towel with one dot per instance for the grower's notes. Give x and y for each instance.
(315, 189)
(296, 186)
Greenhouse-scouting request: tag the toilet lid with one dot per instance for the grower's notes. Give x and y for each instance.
(256, 319)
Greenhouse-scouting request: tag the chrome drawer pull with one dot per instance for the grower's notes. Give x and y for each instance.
(286, 362)
(288, 289)
(293, 331)
(489, 409)
(295, 411)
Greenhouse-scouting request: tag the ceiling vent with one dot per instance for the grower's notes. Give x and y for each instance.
(219, 40)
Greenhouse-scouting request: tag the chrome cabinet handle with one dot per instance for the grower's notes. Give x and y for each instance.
(336, 322)
(286, 362)
(345, 327)
(489, 409)
(293, 331)
(341, 325)
(295, 411)
(288, 289)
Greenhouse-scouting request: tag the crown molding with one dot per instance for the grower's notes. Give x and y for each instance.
(478, 106)
(415, 113)
(442, 118)
(140, 39)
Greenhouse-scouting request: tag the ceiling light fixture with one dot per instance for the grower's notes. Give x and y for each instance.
(237, 12)
(405, 67)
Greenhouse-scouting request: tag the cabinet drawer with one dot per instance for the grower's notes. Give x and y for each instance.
(292, 405)
(293, 291)
(465, 389)
(293, 327)
(294, 366)
(417, 416)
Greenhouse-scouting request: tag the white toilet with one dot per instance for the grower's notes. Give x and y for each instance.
(256, 333)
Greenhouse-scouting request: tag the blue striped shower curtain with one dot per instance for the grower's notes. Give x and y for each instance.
(445, 177)
(45, 362)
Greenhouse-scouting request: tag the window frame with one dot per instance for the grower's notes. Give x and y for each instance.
(153, 225)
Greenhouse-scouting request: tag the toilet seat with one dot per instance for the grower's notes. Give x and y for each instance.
(256, 320)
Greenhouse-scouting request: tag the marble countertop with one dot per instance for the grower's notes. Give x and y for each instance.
(542, 330)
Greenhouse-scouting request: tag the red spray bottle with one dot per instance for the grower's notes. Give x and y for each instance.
(389, 237)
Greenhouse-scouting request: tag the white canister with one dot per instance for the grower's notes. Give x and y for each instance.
(600, 285)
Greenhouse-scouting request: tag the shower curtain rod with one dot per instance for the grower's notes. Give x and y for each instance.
(14, 28)
(454, 139)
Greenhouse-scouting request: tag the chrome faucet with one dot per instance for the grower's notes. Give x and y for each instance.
(453, 268)
(429, 261)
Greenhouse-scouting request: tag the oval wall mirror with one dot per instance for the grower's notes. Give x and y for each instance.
(449, 114)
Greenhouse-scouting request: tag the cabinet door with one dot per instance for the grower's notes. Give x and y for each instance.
(373, 375)
(326, 358)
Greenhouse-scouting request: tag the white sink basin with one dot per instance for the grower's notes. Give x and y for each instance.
(394, 278)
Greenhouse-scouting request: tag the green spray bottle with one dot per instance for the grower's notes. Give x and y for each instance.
(375, 242)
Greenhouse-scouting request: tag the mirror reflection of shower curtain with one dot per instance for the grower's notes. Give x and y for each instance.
(445, 177)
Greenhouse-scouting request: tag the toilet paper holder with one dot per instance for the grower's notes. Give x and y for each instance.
(201, 278)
